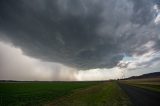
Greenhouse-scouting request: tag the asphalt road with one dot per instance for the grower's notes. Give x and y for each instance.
(140, 96)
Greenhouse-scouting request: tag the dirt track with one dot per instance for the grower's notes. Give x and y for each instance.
(141, 97)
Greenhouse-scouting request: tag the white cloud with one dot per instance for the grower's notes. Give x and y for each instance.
(157, 16)
(99, 74)
(157, 19)
(141, 64)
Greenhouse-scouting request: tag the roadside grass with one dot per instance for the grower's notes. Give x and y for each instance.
(36, 93)
(105, 94)
(152, 84)
(151, 87)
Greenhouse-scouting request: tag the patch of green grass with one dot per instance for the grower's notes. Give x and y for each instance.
(36, 93)
(105, 94)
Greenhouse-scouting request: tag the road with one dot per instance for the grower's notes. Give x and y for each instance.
(141, 97)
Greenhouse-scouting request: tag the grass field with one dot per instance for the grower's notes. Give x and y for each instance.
(36, 93)
(105, 94)
(62, 94)
(148, 83)
(70, 93)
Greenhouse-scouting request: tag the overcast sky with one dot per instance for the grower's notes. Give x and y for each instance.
(78, 39)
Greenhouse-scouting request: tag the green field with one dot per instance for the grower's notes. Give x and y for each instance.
(105, 94)
(36, 93)
(70, 93)
(62, 94)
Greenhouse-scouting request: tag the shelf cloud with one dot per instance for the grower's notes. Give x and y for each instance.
(82, 34)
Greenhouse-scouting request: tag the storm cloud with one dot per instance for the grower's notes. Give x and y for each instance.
(14, 65)
(83, 34)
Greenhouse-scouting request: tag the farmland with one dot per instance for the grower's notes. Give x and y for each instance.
(62, 94)
(102, 93)
(105, 94)
(36, 93)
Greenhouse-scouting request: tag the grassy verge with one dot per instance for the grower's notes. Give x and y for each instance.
(152, 84)
(151, 87)
(36, 93)
(106, 94)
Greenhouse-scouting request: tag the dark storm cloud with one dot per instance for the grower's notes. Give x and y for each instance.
(79, 33)
(142, 12)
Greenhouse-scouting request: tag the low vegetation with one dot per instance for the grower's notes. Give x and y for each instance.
(36, 93)
(105, 94)
(152, 84)
(70, 93)
(149, 87)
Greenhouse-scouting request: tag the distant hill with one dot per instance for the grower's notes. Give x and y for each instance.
(149, 75)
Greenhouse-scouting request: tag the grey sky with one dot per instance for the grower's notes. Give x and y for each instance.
(82, 34)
